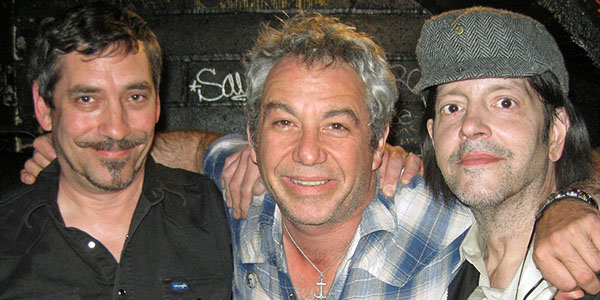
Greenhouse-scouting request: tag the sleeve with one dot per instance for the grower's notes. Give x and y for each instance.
(218, 151)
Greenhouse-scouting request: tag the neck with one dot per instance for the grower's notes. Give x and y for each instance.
(105, 215)
(507, 228)
(324, 245)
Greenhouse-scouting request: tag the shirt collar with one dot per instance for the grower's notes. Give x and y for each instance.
(47, 189)
(261, 233)
(527, 277)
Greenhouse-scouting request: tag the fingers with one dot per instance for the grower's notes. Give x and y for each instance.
(234, 186)
(43, 155)
(241, 180)
(26, 177)
(412, 166)
(391, 169)
(569, 295)
(43, 146)
(250, 174)
(229, 169)
(397, 164)
(566, 246)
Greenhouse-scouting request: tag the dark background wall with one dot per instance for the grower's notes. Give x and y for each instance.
(204, 42)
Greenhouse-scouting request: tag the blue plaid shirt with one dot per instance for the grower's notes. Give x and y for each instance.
(406, 247)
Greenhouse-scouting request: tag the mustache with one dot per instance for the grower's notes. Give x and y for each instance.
(112, 144)
(481, 146)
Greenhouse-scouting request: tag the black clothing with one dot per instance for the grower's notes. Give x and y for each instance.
(467, 280)
(178, 246)
(464, 283)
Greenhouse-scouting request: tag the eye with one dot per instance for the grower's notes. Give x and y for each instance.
(283, 123)
(85, 99)
(337, 126)
(137, 97)
(449, 109)
(506, 103)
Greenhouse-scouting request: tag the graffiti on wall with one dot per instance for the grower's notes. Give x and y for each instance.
(209, 88)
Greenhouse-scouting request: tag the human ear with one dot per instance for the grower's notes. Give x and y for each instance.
(252, 150)
(42, 111)
(378, 153)
(157, 107)
(557, 134)
(430, 130)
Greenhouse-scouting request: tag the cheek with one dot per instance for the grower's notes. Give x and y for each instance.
(444, 139)
(143, 120)
(72, 124)
(350, 155)
(272, 149)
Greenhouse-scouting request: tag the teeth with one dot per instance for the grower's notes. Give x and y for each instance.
(308, 183)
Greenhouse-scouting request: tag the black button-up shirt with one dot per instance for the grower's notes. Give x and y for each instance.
(178, 246)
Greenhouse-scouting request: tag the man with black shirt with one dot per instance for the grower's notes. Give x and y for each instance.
(104, 221)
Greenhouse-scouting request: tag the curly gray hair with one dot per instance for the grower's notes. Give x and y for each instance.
(316, 38)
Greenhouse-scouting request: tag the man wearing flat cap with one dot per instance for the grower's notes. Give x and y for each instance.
(500, 134)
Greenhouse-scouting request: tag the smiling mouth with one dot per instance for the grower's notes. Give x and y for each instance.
(113, 154)
(308, 183)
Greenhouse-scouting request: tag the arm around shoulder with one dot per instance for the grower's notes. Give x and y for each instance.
(182, 149)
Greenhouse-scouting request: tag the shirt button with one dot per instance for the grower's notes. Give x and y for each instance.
(91, 244)
(251, 280)
(291, 295)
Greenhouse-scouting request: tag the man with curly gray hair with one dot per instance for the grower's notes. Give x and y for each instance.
(320, 100)
(318, 39)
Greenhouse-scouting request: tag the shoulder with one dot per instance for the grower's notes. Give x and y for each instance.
(418, 212)
(21, 227)
(179, 177)
(186, 195)
(416, 197)
(18, 201)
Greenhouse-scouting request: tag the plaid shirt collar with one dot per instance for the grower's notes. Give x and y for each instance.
(263, 236)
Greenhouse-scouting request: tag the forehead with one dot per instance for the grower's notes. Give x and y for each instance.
(482, 87)
(113, 64)
(293, 81)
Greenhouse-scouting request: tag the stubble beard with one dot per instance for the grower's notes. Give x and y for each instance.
(344, 209)
(477, 196)
(114, 167)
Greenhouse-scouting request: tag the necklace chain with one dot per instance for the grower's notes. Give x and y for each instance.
(321, 273)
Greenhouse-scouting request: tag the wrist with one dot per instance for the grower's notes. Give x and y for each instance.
(566, 193)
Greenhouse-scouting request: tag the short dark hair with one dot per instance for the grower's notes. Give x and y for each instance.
(573, 165)
(89, 29)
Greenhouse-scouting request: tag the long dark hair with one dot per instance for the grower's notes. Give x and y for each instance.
(573, 165)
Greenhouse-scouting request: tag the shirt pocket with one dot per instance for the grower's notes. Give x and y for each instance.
(196, 289)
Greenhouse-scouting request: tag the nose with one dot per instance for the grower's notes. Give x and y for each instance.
(114, 122)
(474, 124)
(309, 150)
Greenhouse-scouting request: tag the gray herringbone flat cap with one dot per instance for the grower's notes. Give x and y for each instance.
(483, 42)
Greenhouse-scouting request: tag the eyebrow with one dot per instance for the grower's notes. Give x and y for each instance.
(88, 89)
(343, 112)
(510, 86)
(83, 89)
(271, 106)
(142, 85)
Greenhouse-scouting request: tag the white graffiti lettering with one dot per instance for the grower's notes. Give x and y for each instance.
(210, 91)
(406, 77)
